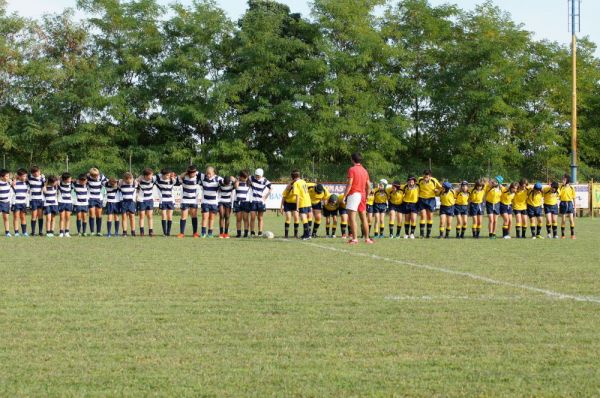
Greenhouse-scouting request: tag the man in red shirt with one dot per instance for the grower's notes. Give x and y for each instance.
(355, 197)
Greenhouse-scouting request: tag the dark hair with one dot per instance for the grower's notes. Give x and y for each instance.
(21, 172)
(127, 175)
(51, 180)
(166, 171)
(357, 157)
(34, 169)
(319, 188)
(191, 169)
(226, 181)
(523, 182)
(147, 171)
(567, 178)
(82, 177)
(112, 181)
(65, 176)
(554, 185)
(244, 173)
(3, 172)
(295, 174)
(426, 172)
(513, 185)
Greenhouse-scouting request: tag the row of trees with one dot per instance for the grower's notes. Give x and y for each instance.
(469, 92)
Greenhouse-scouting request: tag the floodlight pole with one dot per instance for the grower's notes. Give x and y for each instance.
(575, 14)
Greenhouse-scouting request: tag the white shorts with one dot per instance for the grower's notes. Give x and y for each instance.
(353, 201)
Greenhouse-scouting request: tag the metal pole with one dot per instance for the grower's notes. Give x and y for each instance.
(67, 163)
(574, 14)
(130, 161)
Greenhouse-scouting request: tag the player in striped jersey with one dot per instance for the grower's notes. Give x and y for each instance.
(21, 189)
(242, 204)
(165, 181)
(261, 187)
(95, 181)
(225, 205)
(145, 200)
(128, 188)
(81, 204)
(51, 204)
(36, 199)
(113, 206)
(210, 183)
(5, 188)
(189, 200)
(65, 204)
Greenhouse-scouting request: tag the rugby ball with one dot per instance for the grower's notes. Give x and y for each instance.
(268, 235)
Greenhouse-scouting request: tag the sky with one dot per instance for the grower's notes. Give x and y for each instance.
(547, 19)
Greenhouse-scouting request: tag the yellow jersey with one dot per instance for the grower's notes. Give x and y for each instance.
(567, 193)
(288, 194)
(315, 197)
(507, 197)
(396, 195)
(300, 190)
(341, 203)
(534, 198)
(448, 198)
(331, 206)
(476, 196)
(381, 196)
(462, 198)
(492, 195)
(550, 198)
(411, 195)
(520, 200)
(370, 198)
(427, 188)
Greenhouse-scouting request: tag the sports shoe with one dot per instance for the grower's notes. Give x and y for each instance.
(369, 241)
(533, 237)
(332, 236)
(226, 236)
(406, 236)
(412, 236)
(25, 235)
(344, 236)
(573, 237)
(49, 235)
(67, 234)
(17, 235)
(62, 235)
(555, 237)
(549, 236)
(203, 236)
(221, 236)
(196, 235)
(180, 236)
(306, 238)
(540, 237)
(507, 237)
(563, 237)
(391, 236)
(353, 242)
(8, 235)
(99, 235)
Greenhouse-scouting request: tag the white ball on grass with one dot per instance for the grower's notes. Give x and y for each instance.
(268, 235)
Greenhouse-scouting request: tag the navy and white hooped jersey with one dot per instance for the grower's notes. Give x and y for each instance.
(226, 193)
(5, 192)
(128, 190)
(36, 187)
(64, 191)
(112, 194)
(21, 188)
(210, 189)
(146, 189)
(81, 194)
(243, 192)
(95, 186)
(165, 186)
(50, 196)
(259, 186)
(190, 189)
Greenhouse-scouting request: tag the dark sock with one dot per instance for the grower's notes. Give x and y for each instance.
(78, 223)
(239, 233)
(316, 226)
(413, 228)
(210, 232)
(327, 230)
(306, 230)
(245, 233)
(406, 229)
(539, 229)
(203, 231)
(169, 225)
(286, 229)
(98, 225)
(33, 224)
(41, 225)
(333, 231)
(163, 224)
(142, 231)
(555, 230)
(92, 224)
(195, 225)
(572, 231)
(84, 226)
(462, 233)
(24, 228)
(117, 225)
(109, 226)
(296, 228)
(518, 230)
(562, 230)
(422, 229)
(398, 230)
(547, 229)
(343, 228)
(182, 226)
(151, 231)
(532, 230)
(429, 227)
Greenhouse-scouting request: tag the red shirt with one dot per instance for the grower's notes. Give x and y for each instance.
(360, 177)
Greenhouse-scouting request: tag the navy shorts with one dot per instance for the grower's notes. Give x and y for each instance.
(81, 209)
(408, 208)
(396, 208)
(51, 209)
(492, 208)
(226, 205)
(380, 207)
(206, 208)
(550, 209)
(317, 206)
(330, 213)
(506, 209)
(4, 207)
(446, 210)
(288, 207)
(475, 209)
(146, 205)
(566, 208)
(128, 206)
(185, 206)
(370, 209)
(245, 207)
(68, 207)
(259, 207)
(426, 204)
(113, 208)
(341, 212)
(95, 203)
(167, 206)
(35, 204)
(461, 210)
(305, 210)
(19, 207)
(534, 211)
(523, 212)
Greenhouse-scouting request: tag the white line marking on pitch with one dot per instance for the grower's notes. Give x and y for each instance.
(461, 298)
(550, 293)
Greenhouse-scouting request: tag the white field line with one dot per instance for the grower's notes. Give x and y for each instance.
(462, 298)
(549, 293)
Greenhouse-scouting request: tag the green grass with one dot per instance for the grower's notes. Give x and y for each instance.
(189, 317)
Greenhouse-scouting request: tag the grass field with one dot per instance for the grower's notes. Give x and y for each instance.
(188, 317)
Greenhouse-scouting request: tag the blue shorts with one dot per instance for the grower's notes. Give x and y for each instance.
(305, 210)
(167, 206)
(95, 203)
(185, 206)
(447, 211)
(426, 204)
(128, 206)
(330, 213)
(475, 209)
(35, 204)
(506, 209)
(566, 208)
(408, 208)
(534, 211)
(113, 208)
(523, 212)
(396, 208)
(380, 207)
(206, 208)
(4, 207)
(550, 209)
(244, 207)
(225, 205)
(65, 207)
(259, 207)
(370, 209)
(22, 207)
(492, 208)
(51, 209)
(341, 212)
(288, 207)
(81, 209)
(146, 205)
(317, 206)
(461, 210)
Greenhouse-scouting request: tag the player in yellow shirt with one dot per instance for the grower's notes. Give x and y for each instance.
(493, 191)
(317, 193)
(535, 199)
(551, 194)
(396, 197)
(370, 208)
(520, 208)
(303, 203)
(461, 209)
(476, 196)
(506, 210)
(380, 205)
(429, 187)
(409, 207)
(290, 210)
(567, 206)
(447, 202)
(333, 207)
